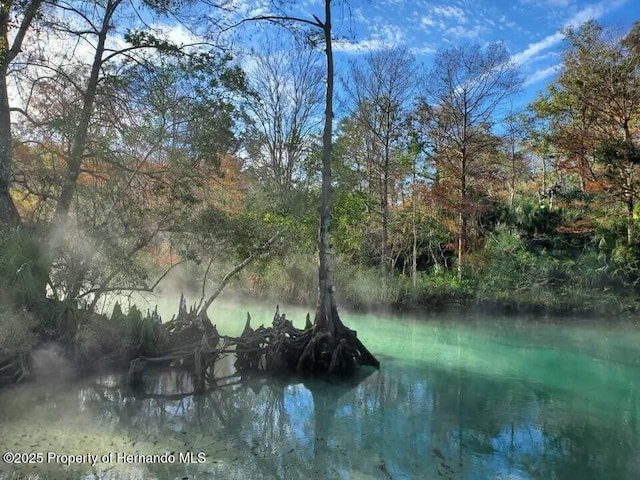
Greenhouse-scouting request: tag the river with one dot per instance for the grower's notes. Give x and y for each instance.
(456, 397)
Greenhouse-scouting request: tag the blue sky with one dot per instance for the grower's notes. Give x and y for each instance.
(529, 28)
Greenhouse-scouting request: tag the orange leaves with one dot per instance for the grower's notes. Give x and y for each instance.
(580, 226)
(226, 186)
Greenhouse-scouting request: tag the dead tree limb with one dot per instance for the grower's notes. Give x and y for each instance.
(235, 270)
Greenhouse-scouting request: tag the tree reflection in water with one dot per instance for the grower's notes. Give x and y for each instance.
(397, 423)
(537, 413)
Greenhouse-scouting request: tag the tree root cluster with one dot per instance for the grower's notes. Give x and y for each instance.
(191, 342)
(194, 344)
(13, 367)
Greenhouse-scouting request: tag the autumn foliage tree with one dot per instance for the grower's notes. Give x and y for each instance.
(158, 130)
(465, 96)
(593, 107)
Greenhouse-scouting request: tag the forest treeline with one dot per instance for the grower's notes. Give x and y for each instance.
(128, 157)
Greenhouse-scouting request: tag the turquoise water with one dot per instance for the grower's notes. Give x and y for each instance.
(472, 397)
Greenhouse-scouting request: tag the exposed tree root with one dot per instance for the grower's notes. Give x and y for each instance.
(281, 348)
(14, 368)
(336, 351)
(191, 342)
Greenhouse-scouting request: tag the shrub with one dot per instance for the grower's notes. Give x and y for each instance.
(23, 268)
(16, 330)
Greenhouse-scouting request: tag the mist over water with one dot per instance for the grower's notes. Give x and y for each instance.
(456, 397)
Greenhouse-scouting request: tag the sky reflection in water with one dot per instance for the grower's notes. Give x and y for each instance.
(474, 398)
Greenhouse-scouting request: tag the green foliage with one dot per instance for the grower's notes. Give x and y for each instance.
(62, 319)
(349, 210)
(129, 335)
(363, 287)
(520, 277)
(23, 268)
(140, 334)
(145, 39)
(513, 268)
(626, 263)
(144, 332)
(532, 218)
(615, 150)
(292, 278)
(294, 216)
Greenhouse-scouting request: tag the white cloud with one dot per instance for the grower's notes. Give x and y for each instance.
(249, 8)
(393, 34)
(383, 36)
(595, 11)
(440, 15)
(535, 48)
(423, 50)
(546, 3)
(541, 75)
(177, 34)
(466, 32)
(428, 22)
(450, 12)
(361, 18)
(369, 45)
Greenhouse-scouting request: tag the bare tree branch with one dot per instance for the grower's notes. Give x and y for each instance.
(278, 19)
(30, 14)
(103, 290)
(234, 271)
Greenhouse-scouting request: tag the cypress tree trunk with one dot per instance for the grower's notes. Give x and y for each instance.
(82, 129)
(8, 213)
(333, 348)
(326, 301)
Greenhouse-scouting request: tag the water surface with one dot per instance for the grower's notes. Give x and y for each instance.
(473, 397)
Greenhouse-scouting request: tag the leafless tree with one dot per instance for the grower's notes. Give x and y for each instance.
(329, 333)
(382, 88)
(287, 91)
